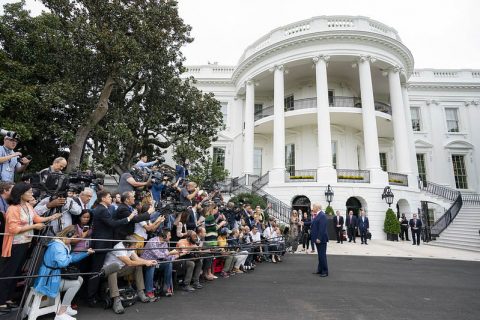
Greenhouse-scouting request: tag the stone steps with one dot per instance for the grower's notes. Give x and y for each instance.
(455, 245)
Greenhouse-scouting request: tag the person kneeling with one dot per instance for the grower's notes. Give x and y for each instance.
(124, 254)
(50, 282)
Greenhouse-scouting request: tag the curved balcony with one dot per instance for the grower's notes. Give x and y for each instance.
(335, 102)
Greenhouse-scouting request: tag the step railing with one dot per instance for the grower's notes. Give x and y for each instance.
(444, 221)
(279, 210)
(261, 182)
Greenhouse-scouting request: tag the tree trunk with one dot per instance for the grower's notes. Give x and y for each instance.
(84, 130)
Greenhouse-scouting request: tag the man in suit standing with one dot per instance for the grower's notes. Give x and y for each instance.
(338, 223)
(416, 227)
(363, 226)
(320, 235)
(103, 228)
(351, 226)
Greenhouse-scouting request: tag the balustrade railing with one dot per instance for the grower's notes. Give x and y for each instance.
(439, 190)
(261, 182)
(471, 198)
(306, 175)
(334, 102)
(398, 179)
(353, 176)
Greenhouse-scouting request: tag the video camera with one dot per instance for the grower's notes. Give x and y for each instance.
(57, 184)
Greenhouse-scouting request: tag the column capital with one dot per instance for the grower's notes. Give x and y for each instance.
(365, 58)
(279, 67)
(431, 101)
(323, 57)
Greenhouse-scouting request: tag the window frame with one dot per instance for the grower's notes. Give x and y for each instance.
(419, 124)
(465, 168)
(457, 113)
(224, 148)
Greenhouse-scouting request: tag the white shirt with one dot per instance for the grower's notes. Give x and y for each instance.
(112, 256)
(255, 237)
(140, 230)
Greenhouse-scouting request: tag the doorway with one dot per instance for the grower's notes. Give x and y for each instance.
(301, 203)
(353, 204)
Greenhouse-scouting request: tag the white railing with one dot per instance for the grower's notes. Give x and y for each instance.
(319, 24)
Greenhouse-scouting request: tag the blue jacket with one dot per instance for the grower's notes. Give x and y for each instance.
(57, 255)
(363, 226)
(319, 228)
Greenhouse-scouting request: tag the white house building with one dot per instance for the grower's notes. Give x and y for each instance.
(335, 100)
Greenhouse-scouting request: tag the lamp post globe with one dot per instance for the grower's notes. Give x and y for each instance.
(388, 195)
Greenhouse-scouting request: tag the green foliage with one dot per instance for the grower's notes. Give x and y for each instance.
(329, 211)
(249, 198)
(391, 224)
(206, 173)
(104, 75)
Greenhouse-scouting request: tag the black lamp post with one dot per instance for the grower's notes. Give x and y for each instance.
(329, 194)
(388, 195)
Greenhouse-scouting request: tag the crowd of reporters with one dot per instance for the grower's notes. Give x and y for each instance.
(151, 241)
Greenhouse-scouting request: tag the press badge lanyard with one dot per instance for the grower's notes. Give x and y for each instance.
(9, 169)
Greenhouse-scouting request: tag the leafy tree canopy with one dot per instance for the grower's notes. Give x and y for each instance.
(104, 75)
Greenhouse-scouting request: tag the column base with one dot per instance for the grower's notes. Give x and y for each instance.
(327, 175)
(276, 176)
(378, 176)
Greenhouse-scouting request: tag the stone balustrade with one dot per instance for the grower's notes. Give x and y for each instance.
(320, 24)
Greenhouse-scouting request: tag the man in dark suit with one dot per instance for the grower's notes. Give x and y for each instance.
(320, 235)
(124, 210)
(351, 226)
(416, 227)
(363, 226)
(103, 227)
(338, 223)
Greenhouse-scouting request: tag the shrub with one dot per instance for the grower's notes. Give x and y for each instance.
(249, 198)
(391, 224)
(329, 211)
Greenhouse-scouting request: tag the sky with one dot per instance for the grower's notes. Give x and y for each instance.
(441, 34)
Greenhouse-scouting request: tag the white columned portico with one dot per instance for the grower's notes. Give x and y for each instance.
(370, 134)
(248, 139)
(412, 180)
(277, 174)
(325, 171)
(400, 133)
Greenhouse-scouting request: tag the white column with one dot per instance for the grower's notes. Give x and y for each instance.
(277, 174)
(400, 133)
(370, 134)
(325, 169)
(411, 137)
(248, 140)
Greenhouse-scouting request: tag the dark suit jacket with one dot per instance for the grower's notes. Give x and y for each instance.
(104, 227)
(319, 228)
(418, 224)
(363, 225)
(123, 211)
(353, 223)
(335, 222)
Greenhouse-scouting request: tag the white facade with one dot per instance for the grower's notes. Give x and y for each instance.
(341, 90)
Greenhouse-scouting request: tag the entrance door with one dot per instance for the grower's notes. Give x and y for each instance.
(354, 205)
(301, 203)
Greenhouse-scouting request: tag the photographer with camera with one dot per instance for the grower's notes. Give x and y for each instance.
(142, 163)
(57, 166)
(188, 193)
(10, 161)
(64, 205)
(129, 183)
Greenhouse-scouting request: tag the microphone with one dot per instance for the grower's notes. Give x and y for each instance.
(107, 270)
